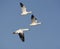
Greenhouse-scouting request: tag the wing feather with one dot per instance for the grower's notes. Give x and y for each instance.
(21, 35)
(33, 19)
(23, 7)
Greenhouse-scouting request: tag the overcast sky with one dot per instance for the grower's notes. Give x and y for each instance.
(44, 36)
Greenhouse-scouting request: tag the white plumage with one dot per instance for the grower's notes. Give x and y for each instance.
(20, 32)
(24, 10)
(34, 21)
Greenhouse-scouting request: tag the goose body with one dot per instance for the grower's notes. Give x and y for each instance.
(24, 10)
(20, 32)
(34, 21)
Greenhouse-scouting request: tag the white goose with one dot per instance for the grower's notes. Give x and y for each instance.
(23, 8)
(20, 33)
(34, 21)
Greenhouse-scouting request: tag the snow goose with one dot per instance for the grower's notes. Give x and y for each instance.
(34, 21)
(23, 9)
(20, 32)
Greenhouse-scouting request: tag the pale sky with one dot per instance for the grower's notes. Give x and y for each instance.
(44, 36)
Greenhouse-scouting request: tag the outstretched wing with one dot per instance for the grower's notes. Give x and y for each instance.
(23, 7)
(21, 35)
(21, 4)
(33, 19)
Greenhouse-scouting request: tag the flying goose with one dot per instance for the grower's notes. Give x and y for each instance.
(34, 21)
(20, 32)
(23, 9)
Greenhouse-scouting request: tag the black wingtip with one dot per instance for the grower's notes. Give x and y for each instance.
(23, 40)
(21, 4)
(32, 16)
(35, 18)
(22, 37)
